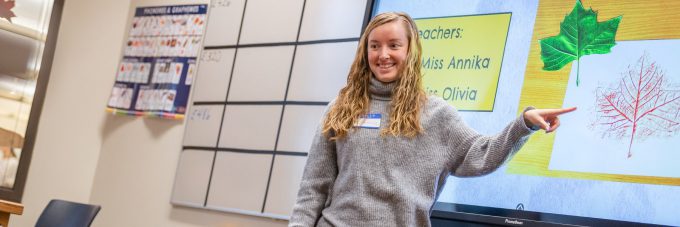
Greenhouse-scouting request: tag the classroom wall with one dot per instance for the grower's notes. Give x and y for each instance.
(127, 165)
(70, 133)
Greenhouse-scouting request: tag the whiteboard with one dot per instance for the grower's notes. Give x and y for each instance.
(264, 83)
(269, 21)
(320, 70)
(223, 22)
(267, 71)
(214, 69)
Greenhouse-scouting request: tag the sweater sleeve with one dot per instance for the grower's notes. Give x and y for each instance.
(318, 177)
(473, 154)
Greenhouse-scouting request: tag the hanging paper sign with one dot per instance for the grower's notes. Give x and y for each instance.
(159, 61)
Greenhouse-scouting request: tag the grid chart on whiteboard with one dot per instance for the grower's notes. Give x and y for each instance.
(266, 73)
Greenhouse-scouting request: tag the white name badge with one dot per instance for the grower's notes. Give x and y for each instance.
(369, 121)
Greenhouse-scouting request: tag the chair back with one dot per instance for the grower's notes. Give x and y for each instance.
(67, 214)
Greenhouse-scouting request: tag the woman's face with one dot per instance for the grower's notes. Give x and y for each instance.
(387, 50)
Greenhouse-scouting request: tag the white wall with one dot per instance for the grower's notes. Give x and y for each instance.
(70, 132)
(126, 165)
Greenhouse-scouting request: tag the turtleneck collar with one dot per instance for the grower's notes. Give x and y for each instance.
(380, 90)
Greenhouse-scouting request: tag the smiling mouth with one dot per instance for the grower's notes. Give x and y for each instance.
(385, 66)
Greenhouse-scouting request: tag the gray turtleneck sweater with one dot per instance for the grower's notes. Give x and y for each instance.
(366, 179)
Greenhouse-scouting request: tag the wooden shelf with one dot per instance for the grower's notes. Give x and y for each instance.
(7, 208)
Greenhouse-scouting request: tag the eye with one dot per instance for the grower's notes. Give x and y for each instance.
(395, 45)
(372, 46)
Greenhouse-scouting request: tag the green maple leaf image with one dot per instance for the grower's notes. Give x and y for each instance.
(580, 35)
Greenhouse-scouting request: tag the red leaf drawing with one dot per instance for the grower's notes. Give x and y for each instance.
(642, 104)
(6, 9)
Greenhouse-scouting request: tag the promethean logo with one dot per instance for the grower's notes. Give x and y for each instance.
(514, 222)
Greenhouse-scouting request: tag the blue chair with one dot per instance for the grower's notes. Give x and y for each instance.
(67, 214)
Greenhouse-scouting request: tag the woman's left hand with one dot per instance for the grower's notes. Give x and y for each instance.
(546, 119)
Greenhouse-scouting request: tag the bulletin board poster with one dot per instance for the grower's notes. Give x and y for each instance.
(155, 74)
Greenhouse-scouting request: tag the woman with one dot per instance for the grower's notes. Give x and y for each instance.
(385, 149)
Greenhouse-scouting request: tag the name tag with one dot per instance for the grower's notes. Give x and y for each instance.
(369, 121)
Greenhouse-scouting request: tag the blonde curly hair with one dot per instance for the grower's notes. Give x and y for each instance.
(408, 96)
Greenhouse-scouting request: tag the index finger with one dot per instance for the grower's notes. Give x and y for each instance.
(559, 111)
